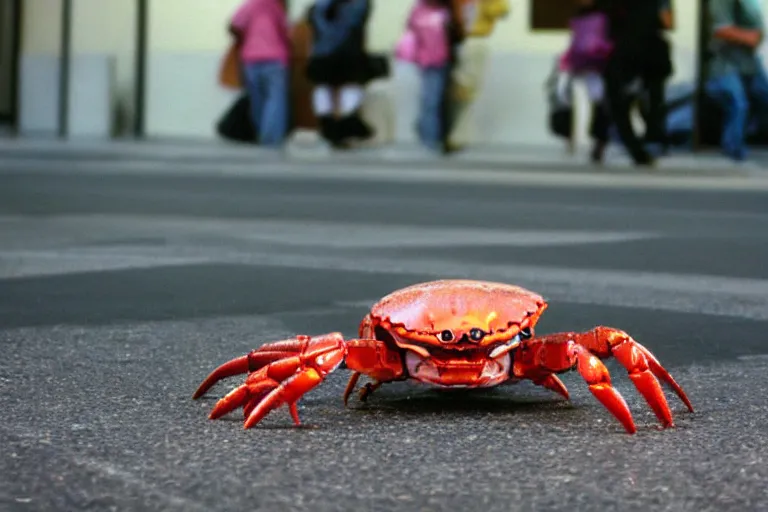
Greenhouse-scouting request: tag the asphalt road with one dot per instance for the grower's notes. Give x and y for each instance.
(119, 292)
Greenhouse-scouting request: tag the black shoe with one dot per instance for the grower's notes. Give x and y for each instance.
(330, 130)
(598, 152)
(449, 148)
(644, 159)
(353, 127)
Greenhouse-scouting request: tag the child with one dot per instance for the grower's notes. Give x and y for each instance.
(433, 30)
(586, 58)
(338, 64)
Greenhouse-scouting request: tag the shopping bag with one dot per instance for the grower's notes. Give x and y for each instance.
(229, 71)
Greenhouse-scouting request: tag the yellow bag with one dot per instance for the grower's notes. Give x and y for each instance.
(480, 16)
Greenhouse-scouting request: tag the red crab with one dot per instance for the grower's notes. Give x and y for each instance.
(448, 333)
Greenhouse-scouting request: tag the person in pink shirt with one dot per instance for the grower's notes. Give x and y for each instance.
(434, 33)
(262, 32)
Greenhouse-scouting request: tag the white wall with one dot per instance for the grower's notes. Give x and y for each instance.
(187, 39)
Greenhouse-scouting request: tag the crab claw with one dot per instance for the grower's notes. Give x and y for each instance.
(282, 381)
(596, 374)
(561, 351)
(230, 368)
(643, 368)
(254, 389)
(289, 392)
(253, 361)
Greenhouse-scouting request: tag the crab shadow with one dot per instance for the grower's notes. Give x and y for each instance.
(461, 403)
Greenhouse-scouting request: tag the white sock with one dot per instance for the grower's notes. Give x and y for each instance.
(595, 87)
(322, 101)
(350, 98)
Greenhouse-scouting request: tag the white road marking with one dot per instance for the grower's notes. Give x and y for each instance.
(753, 357)
(60, 245)
(17, 264)
(713, 295)
(71, 229)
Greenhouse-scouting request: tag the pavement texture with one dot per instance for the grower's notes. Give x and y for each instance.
(122, 287)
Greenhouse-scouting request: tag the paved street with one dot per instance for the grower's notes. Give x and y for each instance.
(122, 286)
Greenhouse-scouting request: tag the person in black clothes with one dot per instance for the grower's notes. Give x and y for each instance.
(641, 53)
(338, 68)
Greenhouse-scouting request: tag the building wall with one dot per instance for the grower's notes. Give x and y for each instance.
(40, 27)
(187, 39)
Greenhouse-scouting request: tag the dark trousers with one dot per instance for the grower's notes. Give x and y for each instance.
(620, 103)
(656, 113)
(652, 67)
(600, 122)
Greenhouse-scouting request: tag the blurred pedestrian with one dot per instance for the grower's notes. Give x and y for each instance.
(585, 59)
(429, 42)
(338, 67)
(262, 33)
(640, 63)
(735, 73)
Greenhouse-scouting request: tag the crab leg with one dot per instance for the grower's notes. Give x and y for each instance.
(561, 351)
(553, 383)
(374, 359)
(350, 388)
(364, 330)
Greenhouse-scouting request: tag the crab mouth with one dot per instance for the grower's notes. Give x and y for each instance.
(459, 370)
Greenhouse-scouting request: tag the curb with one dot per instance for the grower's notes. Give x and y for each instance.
(218, 155)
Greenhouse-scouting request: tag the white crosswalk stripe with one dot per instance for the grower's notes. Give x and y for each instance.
(95, 228)
(37, 247)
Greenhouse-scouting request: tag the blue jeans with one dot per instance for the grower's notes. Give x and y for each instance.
(267, 84)
(733, 92)
(434, 81)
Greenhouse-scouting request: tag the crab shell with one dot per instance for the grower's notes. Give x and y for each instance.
(420, 313)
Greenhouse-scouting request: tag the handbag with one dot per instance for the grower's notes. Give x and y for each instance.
(235, 124)
(378, 66)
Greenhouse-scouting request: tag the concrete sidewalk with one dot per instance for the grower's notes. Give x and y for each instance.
(306, 149)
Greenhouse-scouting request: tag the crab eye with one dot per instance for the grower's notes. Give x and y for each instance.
(476, 334)
(525, 333)
(446, 335)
